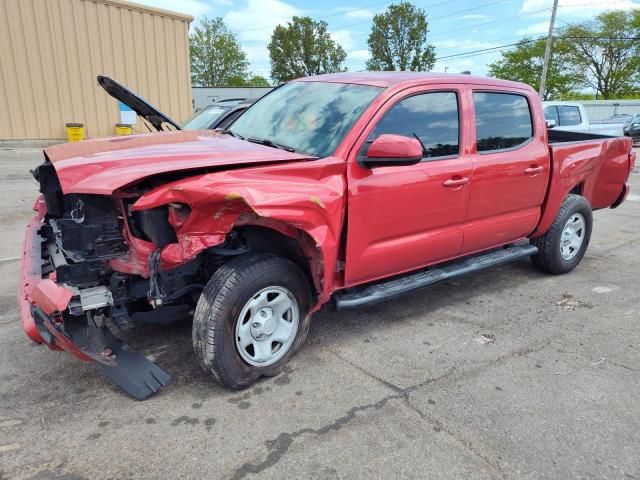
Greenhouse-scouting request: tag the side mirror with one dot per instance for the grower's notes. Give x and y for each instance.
(393, 150)
(551, 123)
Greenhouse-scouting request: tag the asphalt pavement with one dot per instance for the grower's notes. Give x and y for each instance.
(505, 374)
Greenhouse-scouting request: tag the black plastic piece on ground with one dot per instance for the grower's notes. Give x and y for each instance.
(130, 370)
(134, 373)
(387, 289)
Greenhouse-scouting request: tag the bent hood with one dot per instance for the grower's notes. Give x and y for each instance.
(104, 165)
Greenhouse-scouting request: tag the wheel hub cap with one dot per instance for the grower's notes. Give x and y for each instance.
(267, 325)
(264, 325)
(572, 236)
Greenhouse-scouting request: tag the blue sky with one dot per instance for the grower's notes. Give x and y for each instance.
(456, 27)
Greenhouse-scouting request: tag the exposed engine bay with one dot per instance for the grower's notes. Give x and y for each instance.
(83, 232)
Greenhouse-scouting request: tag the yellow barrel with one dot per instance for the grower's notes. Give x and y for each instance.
(75, 132)
(123, 129)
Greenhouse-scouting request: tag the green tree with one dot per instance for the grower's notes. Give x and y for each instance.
(251, 81)
(216, 55)
(608, 50)
(524, 64)
(302, 48)
(398, 40)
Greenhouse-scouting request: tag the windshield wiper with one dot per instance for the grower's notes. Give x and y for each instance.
(270, 143)
(226, 131)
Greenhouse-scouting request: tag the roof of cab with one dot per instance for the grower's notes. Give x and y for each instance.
(389, 79)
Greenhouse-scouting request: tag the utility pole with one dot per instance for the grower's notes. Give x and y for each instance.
(547, 50)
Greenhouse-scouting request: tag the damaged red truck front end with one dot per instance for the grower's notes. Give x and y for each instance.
(127, 232)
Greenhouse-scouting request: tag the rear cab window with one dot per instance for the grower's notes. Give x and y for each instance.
(503, 121)
(551, 113)
(569, 115)
(431, 117)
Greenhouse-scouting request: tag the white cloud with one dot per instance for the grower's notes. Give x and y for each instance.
(579, 8)
(362, 54)
(359, 13)
(342, 38)
(466, 44)
(475, 16)
(253, 23)
(535, 29)
(256, 20)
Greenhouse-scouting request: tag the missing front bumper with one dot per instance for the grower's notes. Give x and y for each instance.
(43, 303)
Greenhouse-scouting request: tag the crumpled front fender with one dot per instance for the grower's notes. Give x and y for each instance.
(307, 196)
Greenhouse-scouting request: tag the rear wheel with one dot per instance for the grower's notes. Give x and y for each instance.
(252, 315)
(566, 241)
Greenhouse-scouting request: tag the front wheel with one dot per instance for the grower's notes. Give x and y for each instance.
(252, 315)
(566, 241)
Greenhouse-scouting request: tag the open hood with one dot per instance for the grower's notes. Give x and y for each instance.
(103, 165)
(136, 103)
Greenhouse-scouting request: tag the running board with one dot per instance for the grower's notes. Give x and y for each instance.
(387, 289)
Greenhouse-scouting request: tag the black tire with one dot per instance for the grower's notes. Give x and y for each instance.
(549, 259)
(219, 308)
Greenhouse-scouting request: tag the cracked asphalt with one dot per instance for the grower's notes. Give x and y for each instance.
(505, 374)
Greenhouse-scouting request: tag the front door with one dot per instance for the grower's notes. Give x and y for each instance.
(404, 217)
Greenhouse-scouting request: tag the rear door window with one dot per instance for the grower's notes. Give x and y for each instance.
(503, 121)
(569, 115)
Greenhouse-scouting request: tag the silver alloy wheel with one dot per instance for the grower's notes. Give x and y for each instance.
(572, 236)
(267, 326)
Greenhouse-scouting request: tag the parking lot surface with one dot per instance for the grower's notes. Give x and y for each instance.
(508, 373)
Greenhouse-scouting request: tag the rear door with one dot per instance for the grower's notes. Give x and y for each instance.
(404, 217)
(511, 166)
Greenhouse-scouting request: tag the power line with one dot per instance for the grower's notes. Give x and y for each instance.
(431, 19)
(366, 7)
(433, 5)
(466, 10)
(486, 50)
(482, 51)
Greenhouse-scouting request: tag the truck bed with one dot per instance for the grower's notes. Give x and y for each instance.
(564, 136)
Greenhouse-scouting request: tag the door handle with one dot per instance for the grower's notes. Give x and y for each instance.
(533, 170)
(456, 182)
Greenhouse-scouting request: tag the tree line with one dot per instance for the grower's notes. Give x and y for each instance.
(602, 54)
(303, 47)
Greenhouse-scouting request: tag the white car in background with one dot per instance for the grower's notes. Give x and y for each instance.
(572, 117)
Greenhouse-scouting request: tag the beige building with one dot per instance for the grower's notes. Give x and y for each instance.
(52, 50)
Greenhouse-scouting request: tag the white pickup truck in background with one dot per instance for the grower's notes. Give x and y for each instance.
(572, 117)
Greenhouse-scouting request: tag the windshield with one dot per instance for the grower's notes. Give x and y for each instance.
(205, 118)
(310, 117)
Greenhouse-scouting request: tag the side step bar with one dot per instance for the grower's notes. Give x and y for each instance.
(386, 289)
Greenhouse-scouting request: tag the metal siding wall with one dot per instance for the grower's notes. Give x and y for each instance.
(603, 109)
(52, 50)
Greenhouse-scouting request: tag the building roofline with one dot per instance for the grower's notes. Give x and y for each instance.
(146, 9)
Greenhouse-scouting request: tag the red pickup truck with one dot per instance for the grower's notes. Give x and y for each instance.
(355, 187)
